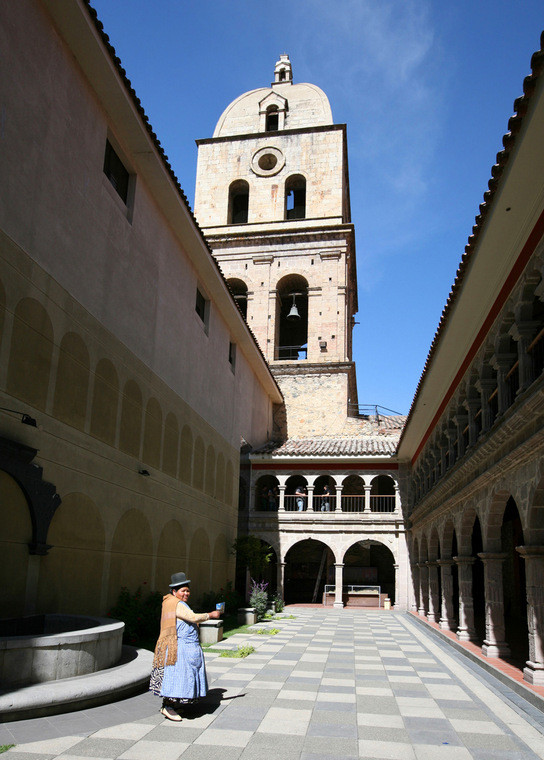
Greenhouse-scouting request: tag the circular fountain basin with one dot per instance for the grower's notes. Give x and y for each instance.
(51, 647)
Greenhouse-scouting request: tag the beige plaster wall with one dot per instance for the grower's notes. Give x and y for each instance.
(122, 263)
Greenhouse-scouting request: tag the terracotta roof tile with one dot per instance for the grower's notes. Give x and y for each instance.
(331, 447)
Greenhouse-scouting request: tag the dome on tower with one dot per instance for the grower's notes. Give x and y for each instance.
(283, 105)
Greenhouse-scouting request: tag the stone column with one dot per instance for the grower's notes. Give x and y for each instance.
(338, 501)
(281, 506)
(434, 602)
(423, 587)
(502, 364)
(280, 578)
(366, 507)
(397, 584)
(310, 505)
(447, 611)
(534, 574)
(397, 498)
(487, 386)
(472, 404)
(494, 644)
(253, 496)
(338, 584)
(415, 584)
(461, 421)
(523, 333)
(466, 630)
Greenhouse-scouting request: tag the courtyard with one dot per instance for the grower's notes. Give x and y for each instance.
(330, 684)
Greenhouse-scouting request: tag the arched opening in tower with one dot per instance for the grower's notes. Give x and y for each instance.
(295, 197)
(238, 289)
(292, 319)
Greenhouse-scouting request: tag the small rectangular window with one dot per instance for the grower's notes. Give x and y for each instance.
(115, 171)
(200, 306)
(232, 355)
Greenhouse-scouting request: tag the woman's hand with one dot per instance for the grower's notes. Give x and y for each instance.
(215, 615)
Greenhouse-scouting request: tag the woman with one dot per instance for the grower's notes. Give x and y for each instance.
(179, 673)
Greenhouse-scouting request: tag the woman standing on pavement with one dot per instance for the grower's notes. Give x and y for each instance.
(179, 672)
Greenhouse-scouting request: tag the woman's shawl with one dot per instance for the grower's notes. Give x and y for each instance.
(166, 649)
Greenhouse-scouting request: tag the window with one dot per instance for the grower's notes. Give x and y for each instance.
(116, 172)
(238, 202)
(202, 308)
(295, 197)
(272, 119)
(232, 355)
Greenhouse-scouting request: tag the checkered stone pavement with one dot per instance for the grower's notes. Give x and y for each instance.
(332, 683)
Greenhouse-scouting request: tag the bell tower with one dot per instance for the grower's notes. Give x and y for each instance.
(272, 198)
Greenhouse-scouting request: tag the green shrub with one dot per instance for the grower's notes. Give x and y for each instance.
(280, 604)
(242, 651)
(141, 616)
(259, 598)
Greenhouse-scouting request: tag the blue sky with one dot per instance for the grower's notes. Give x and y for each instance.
(426, 89)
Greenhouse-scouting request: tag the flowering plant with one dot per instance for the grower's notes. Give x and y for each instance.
(258, 598)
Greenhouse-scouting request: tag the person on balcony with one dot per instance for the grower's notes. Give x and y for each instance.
(326, 499)
(300, 496)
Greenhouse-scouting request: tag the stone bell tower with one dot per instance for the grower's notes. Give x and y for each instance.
(272, 198)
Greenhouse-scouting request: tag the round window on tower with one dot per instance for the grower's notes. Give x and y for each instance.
(267, 161)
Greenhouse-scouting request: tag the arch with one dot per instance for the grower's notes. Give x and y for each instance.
(493, 524)
(186, 455)
(353, 494)
(151, 451)
(238, 209)
(72, 381)
(272, 118)
(29, 364)
(131, 554)
(324, 494)
(220, 562)
(267, 494)
(448, 539)
(370, 563)
(130, 433)
(295, 197)
(105, 402)
(238, 288)
(382, 494)
(199, 563)
(478, 582)
(434, 545)
(209, 480)
(70, 578)
(198, 464)
(229, 483)
(2, 309)
(220, 477)
(171, 553)
(296, 495)
(291, 339)
(170, 445)
(15, 537)
(303, 561)
(514, 583)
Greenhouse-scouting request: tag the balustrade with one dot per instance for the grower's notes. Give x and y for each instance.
(347, 503)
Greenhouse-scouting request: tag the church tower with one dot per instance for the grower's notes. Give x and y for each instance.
(272, 198)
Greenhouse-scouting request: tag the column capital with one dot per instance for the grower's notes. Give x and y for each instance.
(492, 556)
(464, 560)
(530, 551)
(431, 563)
(445, 562)
(339, 564)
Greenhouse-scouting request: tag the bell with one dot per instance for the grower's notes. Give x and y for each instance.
(293, 314)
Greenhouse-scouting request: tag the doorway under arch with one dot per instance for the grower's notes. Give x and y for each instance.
(370, 563)
(309, 565)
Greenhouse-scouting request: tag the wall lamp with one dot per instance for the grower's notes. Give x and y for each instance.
(145, 473)
(26, 419)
